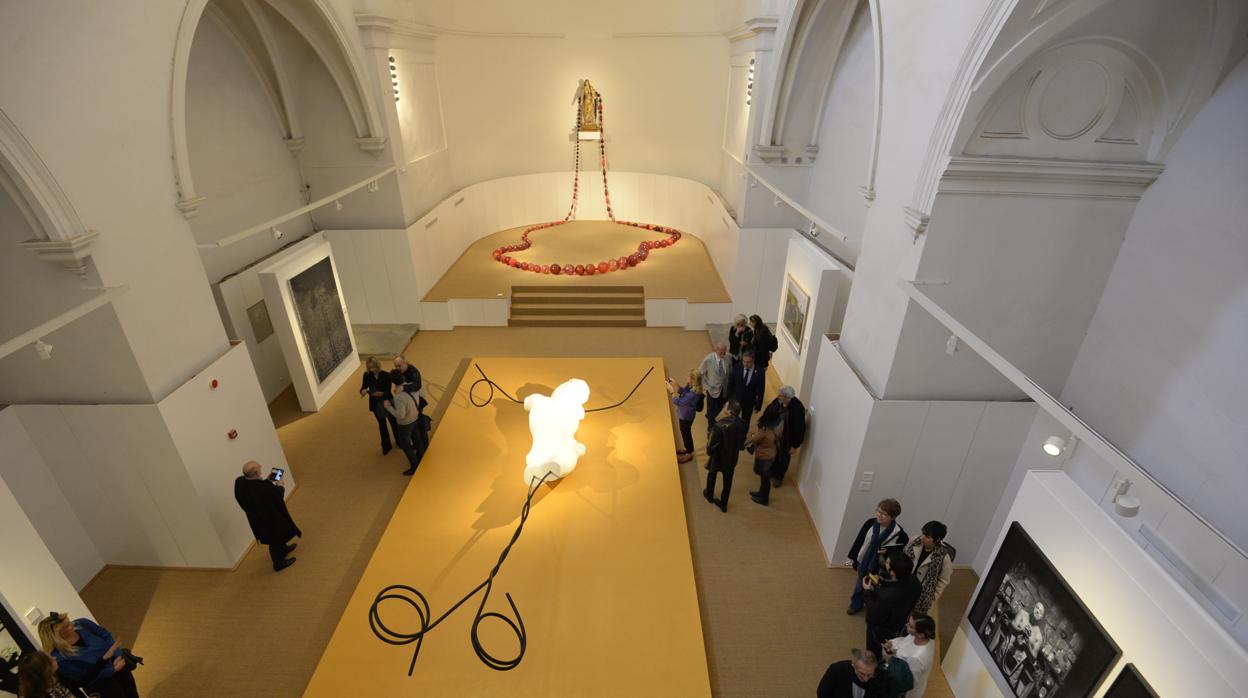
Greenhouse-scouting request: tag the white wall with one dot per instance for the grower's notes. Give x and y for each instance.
(235, 295)
(759, 280)
(1137, 603)
(30, 577)
(378, 275)
(25, 474)
(238, 158)
(845, 133)
(507, 96)
(820, 277)
(1161, 373)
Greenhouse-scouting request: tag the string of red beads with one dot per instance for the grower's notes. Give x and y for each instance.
(503, 256)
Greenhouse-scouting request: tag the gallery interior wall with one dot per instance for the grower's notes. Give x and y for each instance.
(1160, 372)
(507, 97)
(819, 277)
(1143, 610)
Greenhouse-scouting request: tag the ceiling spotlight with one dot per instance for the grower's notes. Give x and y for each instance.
(391, 59)
(374, 185)
(43, 349)
(1054, 445)
(337, 204)
(951, 347)
(277, 234)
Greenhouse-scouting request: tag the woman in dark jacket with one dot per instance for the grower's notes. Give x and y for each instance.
(763, 343)
(766, 444)
(739, 336)
(376, 385)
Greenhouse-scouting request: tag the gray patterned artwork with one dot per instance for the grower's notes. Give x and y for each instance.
(261, 325)
(318, 308)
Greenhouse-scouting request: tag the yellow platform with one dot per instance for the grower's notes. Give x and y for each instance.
(602, 574)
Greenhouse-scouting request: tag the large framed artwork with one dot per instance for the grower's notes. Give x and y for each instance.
(1130, 684)
(793, 317)
(1041, 638)
(321, 320)
(13, 642)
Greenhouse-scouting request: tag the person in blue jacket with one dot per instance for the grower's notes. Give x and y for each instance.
(89, 656)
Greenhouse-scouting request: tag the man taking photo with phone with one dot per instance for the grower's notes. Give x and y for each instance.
(264, 503)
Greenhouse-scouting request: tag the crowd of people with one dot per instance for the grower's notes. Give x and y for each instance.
(395, 399)
(898, 582)
(79, 659)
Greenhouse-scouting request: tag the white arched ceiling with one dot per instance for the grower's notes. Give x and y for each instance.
(245, 21)
(1163, 59)
(814, 41)
(60, 236)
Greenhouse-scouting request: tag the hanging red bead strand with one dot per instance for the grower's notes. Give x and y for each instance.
(503, 256)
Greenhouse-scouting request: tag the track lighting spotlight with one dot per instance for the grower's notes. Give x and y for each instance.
(43, 350)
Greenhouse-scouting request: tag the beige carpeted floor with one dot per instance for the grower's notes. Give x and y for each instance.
(772, 612)
(683, 270)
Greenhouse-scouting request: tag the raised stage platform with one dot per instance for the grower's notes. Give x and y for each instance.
(602, 574)
(682, 271)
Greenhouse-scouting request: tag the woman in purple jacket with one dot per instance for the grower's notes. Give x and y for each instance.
(688, 399)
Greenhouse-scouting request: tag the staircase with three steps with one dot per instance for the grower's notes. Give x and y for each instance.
(578, 306)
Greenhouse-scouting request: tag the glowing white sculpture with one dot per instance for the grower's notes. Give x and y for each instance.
(553, 420)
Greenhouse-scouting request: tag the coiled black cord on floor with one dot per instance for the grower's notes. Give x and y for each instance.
(420, 603)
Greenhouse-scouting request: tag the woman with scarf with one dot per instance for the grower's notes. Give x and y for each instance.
(876, 534)
(933, 564)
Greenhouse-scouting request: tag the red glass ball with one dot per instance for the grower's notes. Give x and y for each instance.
(580, 269)
(512, 262)
(556, 269)
(613, 265)
(591, 270)
(524, 266)
(545, 268)
(603, 267)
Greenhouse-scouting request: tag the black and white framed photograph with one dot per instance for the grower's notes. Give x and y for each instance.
(1040, 636)
(793, 317)
(318, 309)
(1130, 684)
(13, 643)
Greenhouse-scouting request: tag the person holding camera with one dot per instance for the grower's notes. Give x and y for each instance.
(402, 404)
(264, 503)
(876, 534)
(890, 596)
(88, 656)
(689, 399)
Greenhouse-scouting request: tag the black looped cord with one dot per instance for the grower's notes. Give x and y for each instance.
(420, 603)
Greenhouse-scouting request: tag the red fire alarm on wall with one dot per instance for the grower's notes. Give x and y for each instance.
(233, 434)
(214, 384)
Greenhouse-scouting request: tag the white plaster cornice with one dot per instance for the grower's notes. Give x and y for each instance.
(1065, 179)
(389, 25)
(371, 145)
(916, 219)
(752, 27)
(71, 253)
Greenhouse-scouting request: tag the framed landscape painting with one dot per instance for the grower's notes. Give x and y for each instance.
(1038, 633)
(793, 317)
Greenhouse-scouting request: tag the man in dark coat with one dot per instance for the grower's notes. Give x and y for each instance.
(793, 412)
(890, 599)
(411, 384)
(265, 505)
(727, 440)
(745, 385)
(865, 673)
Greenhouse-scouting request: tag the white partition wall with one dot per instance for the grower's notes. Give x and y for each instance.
(1173, 642)
(819, 277)
(275, 279)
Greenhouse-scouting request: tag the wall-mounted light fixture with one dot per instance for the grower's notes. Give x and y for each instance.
(43, 350)
(393, 78)
(277, 234)
(1054, 445)
(1124, 504)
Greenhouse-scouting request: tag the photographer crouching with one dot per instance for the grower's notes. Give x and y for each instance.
(88, 656)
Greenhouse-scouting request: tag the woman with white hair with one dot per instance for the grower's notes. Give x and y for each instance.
(793, 416)
(739, 336)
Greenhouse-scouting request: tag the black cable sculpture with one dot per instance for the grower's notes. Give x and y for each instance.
(420, 603)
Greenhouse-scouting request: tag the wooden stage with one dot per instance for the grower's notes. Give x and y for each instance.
(683, 270)
(602, 574)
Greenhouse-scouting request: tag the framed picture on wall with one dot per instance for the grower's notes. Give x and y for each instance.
(13, 643)
(1130, 684)
(1040, 636)
(793, 317)
(318, 309)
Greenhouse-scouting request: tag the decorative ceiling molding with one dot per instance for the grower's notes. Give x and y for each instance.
(72, 253)
(1064, 179)
(378, 25)
(668, 35)
(752, 27)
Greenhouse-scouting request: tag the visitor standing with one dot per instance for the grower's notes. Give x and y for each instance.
(412, 385)
(88, 655)
(722, 449)
(863, 676)
(933, 564)
(917, 649)
(403, 406)
(793, 413)
(877, 533)
(36, 678)
(765, 443)
(739, 336)
(745, 385)
(763, 343)
(715, 369)
(376, 385)
(688, 399)
(264, 502)
(890, 596)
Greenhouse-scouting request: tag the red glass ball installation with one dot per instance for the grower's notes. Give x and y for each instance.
(590, 270)
(545, 268)
(603, 267)
(556, 269)
(580, 268)
(613, 265)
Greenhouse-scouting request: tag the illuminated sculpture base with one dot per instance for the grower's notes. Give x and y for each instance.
(553, 421)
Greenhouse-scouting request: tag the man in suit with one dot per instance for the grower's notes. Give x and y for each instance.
(715, 369)
(264, 503)
(861, 673)
(793, 412)
(890, 598)
(726, 441)
(745, 385)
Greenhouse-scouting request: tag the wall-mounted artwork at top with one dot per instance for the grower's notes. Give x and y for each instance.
(1041, 637)
(793, 318)
(318, 309)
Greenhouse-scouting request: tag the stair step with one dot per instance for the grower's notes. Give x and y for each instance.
(576, 322)
(639, 290)
(579, 300)
(596, 311)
